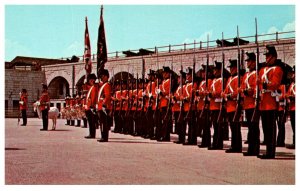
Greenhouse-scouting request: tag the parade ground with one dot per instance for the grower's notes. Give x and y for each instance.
(65, 157)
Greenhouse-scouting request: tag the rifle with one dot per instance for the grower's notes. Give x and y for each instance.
(286, 106)
(222, 112)
(168, 115)
(149, 108)
(137, 94)
(256, 113)
(113, 91)
(121, 100)
(189, 113)
(143, 81)
(157, 100)
(180, 116)
(238, 110)
(206, 102)
(130, 98)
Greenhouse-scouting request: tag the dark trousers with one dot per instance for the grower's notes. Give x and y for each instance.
(45, 119)
(24, 116)
(206, 124)
(117, 119)
(268, 122)
(158, 123)
(281, 129)
(150, 123)
(104, 124)
(181, 128)
(192, 130)
(292, 117)
(84, 122)
(218, 130)
(167, 125)
(91, 117)
(175, 117)
(253, 133)
(236, 135)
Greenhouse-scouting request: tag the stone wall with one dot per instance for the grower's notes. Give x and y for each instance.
(15, 81)
(133, 65)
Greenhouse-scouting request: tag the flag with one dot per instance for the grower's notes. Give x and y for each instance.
(87, 49)
(101, 45)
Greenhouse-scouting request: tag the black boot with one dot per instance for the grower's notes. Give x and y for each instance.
(68, 122)
(78, 123)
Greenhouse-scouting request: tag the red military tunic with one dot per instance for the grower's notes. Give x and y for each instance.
(165, 89)
(202, 88)
(125, 96)
(134, 100)
(44, 101)
(177, 95)
(118, 99)
(104, 96)
(231, 89)
(139, 100)
(292, 93)
(23, 102)
(152, 93)
(91, 97)
(215, 89)
(72, 102)
(249, 82)
(188, 95)
(67, 102)
(271, 75)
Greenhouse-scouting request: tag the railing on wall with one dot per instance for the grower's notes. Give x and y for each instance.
(264, 38)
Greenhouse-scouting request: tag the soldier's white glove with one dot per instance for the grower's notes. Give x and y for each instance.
(104, 110)
(143, 94)
(157, 91)
(21, 102)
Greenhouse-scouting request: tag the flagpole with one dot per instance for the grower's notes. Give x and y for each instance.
(101, 45)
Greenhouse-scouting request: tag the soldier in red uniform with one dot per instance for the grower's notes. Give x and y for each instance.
(189, 95)
(164, 91)
(67, 109)
(91, 100)
(203, 106)
(291, 95)
(248, 89)
(104, 105)
(78, 108)
(214, 93)
(178, 109)
(116, 104)
(44, 106)
(269, 80)
(230, 95)
(24, 105)
(73, 109)
(280, 116)
(85, 88)
(149, 106)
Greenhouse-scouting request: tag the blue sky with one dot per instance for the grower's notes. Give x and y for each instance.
(56, 31)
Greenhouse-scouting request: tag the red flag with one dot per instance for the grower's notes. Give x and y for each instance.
(101, 45)
(87, 49)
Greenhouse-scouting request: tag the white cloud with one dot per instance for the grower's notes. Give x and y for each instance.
(75, 48)
(289, 27)
(14, 48)
(202, 38)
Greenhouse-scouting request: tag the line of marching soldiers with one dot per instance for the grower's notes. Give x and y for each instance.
(152, 107)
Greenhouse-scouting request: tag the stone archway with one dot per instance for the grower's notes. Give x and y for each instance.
(79, 84)
(58, 88)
